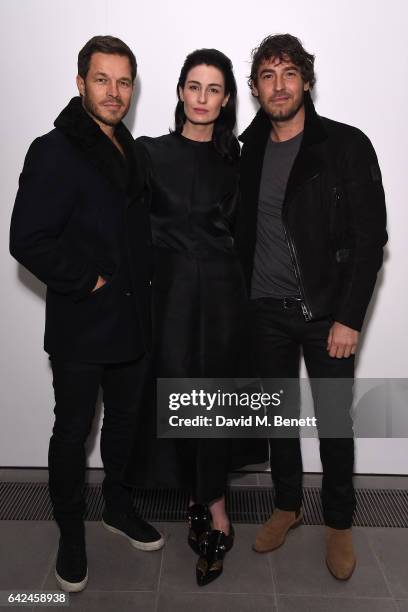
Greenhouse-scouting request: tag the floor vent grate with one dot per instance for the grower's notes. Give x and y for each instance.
(26, 501)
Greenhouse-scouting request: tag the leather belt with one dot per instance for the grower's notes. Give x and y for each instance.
(288, 303)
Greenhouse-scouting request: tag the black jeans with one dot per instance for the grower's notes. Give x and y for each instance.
(76, 387)
(277, 336)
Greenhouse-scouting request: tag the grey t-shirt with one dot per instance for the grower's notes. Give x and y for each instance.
(273, 274)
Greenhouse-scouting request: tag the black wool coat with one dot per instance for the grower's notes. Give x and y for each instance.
(333, 213)
(79, 213)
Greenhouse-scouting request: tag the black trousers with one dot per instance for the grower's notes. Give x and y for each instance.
(278, 334)
(76, 387)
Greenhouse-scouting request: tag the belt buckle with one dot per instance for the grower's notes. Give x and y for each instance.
(291, 302)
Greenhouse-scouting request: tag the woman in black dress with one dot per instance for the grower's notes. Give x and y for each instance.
(198, 286)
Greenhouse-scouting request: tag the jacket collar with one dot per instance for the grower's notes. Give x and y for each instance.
(309, 161)
(85, 133)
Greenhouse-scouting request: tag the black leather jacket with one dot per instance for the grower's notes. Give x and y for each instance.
(333, 214)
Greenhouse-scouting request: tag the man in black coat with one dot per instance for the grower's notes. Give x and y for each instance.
(310, 233)
(80, 225)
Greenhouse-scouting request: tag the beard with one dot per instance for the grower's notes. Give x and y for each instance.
(285, 114)
(92, 110)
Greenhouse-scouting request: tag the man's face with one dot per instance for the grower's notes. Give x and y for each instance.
(107, 88)
(280, 88)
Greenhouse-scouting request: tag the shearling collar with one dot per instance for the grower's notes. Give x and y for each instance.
(309, 160)
(86, 134)
(260, 127)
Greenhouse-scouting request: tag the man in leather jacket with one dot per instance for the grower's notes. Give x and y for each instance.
(310, 233)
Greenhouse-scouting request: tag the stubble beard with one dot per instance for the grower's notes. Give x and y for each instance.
(92, 110)
(285, 115)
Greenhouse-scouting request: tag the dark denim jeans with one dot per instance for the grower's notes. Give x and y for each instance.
(278, 335)
(76, 387)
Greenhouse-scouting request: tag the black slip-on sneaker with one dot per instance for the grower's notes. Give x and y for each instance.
(71, 569)
(139, 532)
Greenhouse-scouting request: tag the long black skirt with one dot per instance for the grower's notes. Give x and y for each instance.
(199, 331)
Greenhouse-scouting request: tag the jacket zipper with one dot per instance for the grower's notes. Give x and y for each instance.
(306, 311)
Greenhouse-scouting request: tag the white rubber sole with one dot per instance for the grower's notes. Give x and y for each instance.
(71, 587)
(136, 543)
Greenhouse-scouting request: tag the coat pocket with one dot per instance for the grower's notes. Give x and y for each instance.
(341, 234)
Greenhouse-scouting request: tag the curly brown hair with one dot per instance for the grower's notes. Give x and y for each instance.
(283, 47)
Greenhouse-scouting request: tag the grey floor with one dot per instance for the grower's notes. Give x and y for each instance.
(293, 578)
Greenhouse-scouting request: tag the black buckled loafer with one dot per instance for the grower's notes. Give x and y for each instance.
(199, 520)
(213, 549)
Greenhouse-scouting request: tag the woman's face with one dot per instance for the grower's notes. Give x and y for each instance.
(203, 94)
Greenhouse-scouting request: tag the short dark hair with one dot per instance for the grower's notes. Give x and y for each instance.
(283, 46)
(223, 138)
(104, 44)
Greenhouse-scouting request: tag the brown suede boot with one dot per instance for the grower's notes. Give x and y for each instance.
(272, 534)
(340, 557)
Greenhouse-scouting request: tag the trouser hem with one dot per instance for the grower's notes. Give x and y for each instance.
(338, 524)
(289, 505)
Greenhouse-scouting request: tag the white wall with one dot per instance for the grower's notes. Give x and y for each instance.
(361, 67)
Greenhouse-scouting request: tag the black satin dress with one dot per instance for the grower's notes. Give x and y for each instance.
(199, 302)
